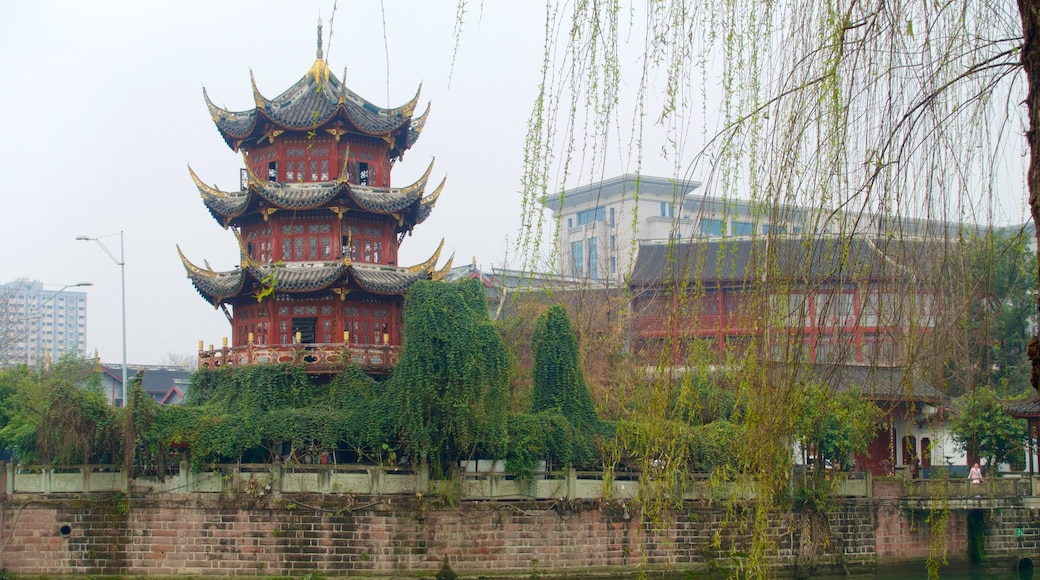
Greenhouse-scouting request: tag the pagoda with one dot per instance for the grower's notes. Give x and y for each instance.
(318, 227)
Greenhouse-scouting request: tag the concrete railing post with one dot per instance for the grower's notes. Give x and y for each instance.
(423, 477)
(276, 479)
(325, 479)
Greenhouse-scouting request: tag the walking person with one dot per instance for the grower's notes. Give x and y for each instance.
(975, 475)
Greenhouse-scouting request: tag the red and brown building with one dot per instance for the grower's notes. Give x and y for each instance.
(845, 312)
(318, 225)
(830, 300)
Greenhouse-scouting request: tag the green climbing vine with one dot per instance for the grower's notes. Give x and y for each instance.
(451, 383)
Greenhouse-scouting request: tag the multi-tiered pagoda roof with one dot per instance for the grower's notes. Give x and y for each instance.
(317, 222)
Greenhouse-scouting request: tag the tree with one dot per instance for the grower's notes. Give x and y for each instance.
(559, 383)
(58, 414)
(450, 387)
(183, 360)
(12, 323)
(877, 113)
(1002, 324)
(834, 425)
(984, 429)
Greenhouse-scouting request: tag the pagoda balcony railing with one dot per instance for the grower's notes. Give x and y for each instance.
(314, 357)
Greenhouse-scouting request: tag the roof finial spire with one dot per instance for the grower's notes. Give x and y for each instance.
(320, 55)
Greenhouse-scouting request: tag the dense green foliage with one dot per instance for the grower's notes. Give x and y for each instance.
(232, 413)
(834, 425)
(58, 414)
(559, 383)
(450, 387)
(984, 429)
(1003, 275)
(545, 436)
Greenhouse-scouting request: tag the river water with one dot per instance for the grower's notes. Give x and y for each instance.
(954, 572)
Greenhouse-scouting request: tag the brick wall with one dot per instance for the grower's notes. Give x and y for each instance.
(336, 535)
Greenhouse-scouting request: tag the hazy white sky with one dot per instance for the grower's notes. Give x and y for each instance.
(102, 112)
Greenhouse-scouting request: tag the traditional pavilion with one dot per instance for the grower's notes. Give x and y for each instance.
(318, 226)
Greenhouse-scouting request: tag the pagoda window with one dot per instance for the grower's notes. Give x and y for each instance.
(303, 330)
(326, 331)
(366, 244)
(272, 171)
(363, 173)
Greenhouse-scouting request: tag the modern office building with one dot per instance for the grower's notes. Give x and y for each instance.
(602, 225)
(37, 324)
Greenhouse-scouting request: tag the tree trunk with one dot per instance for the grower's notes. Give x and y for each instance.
(1030, 11)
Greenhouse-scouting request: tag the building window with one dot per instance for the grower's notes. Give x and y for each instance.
(593, 258)
(834, 310)
(611, 217)
(743, 228)
(712, 227)
(667, 209)
(613, 265)
(577, 259)
(588, 216)
(909, 450)
(570, 222)
(767, 228)
(613, 243)
(926, 452)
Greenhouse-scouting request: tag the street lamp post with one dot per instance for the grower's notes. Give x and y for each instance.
(28, 352)
(121, 262)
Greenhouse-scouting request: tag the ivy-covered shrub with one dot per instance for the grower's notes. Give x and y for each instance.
(450, 387)
(251, 412)
(712, 445)
(558, 381)
(544, 436)
(58, 414)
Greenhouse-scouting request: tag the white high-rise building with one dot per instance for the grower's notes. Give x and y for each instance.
(37, 324)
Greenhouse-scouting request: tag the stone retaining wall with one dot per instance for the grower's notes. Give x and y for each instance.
(337, 535)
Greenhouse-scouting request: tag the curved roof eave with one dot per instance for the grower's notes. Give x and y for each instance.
(427, 203)
(298, 278)
(416, 126)
(390, 200)
(215, 287)
(223, 206)
(384, 281)
(234, 126)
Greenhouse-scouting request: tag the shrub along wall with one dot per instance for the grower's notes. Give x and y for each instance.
(254, 534)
